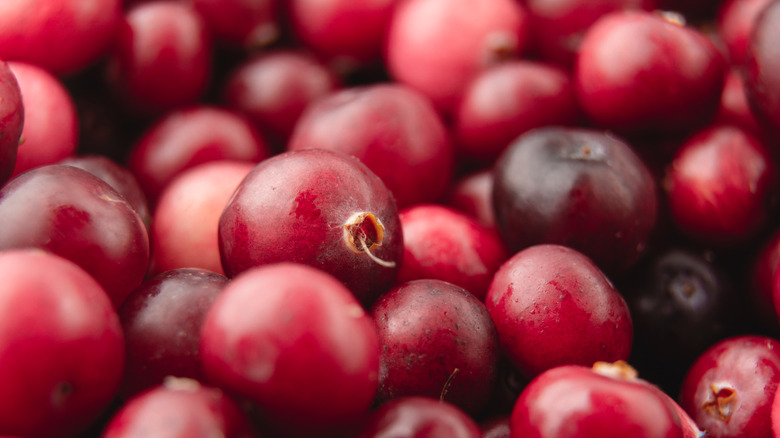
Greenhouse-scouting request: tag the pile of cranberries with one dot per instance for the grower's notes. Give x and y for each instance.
(389, 218)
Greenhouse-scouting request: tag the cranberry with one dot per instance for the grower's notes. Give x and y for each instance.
(553, 306)
(295, 341)
(61, 346)
(118, 177)
(50, 131)
(722, 186)
(437, 341)
(444, 244)
(761, 273)
(161, 320)
(315, 207)
(161, 59)
(60, 36)
(735, 21)
(762, 80)
(238, 23)
(190, 136)
(607, 400)
(346, 31)
(399, 136)
(273, 89)
(419, 417)
(558, 27)
(507, 100)
(729, 390)
(497, 427)
(11, 121)
(473, 194)
(559, 185)
(180, 408)
(438, 46)
(186, 218)
(78, 216)
(734, 107)
(637, 72)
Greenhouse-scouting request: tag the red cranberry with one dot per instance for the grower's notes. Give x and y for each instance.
(437, 341)
(473, 194)
(181, 408)
(50, 131)
(161, 320)
(722, 186)
(437, 46)
(762, 80)
(392, 129)
(78, 216)
(188, 137)
(274, 88)
(761, 279)
(419, 417)
(295, 341)
(118, 177)
(607, 400)
(61, 346)
(558, 26)
(318, 208)
(638, 72)
(497, 427)
(735, 21)
(61, 36)
(238, 23)
(186, 218)
(507, 100)
(11, 121)
(729, 390)
(161, 59)
(346, 31)
(444, 244)
(734, 108)
(553, 306)
(559, 185)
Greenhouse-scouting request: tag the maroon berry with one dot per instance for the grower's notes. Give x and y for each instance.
(553, 306)
(473, 195)
(248, 25)
(419, 417)
(296, 342)
(11, 121)
(392, 129)
(584, 189)
(437, 341)
(318, 208)
(729, 390)
(607, 401)
(161, 320)
(762, 78)
(61, 346)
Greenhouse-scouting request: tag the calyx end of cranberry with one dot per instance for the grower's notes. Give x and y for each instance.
(721, 402)
(363, 232)
(620, 370)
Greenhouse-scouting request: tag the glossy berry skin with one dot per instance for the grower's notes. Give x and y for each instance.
(61, 346)
(11, 120)
(761, 277)
(559, 185)
(448, 245)
(473, 194)
(762, 78)
(576, 401)
(552, 306)
(51, 130)
(437, 341)
(419, 417)
(296, 342)
(507, 100)
(161, 59)
(161, 320)
(76, 215)
(186, 218)
(735, 20)
(392, 129)
(60, 36)
(315, 207)
(248, 25)
(729, 390)
(190, 136)
(180, 408)
(637, 72)
(437, 46)
(722, 186)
